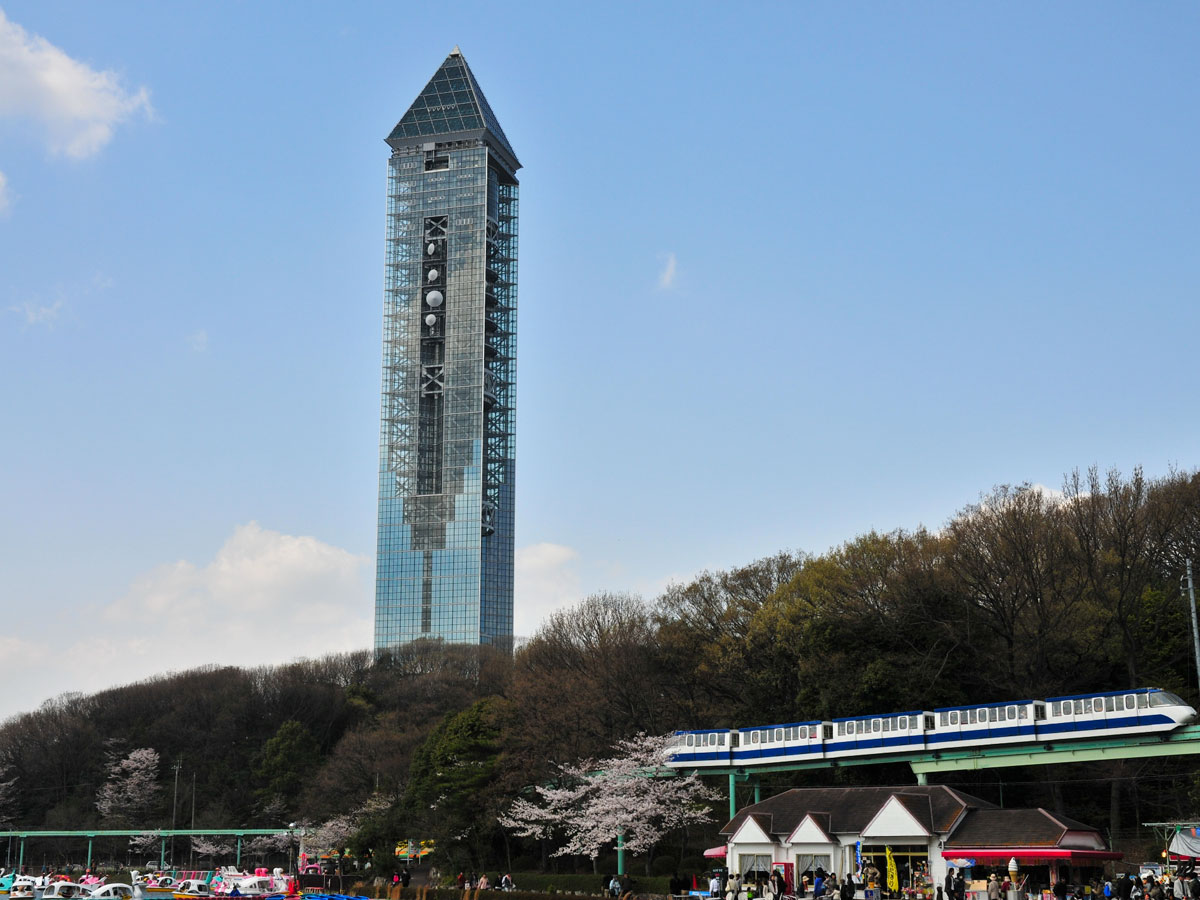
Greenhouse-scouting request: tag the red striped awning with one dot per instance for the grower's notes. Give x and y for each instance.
(1029, 854)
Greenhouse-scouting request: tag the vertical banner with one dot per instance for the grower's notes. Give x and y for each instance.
(858, 854)
(893, 877)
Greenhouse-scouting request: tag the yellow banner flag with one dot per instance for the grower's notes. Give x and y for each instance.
(893, 877)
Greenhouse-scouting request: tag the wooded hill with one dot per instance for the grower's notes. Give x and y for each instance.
(1024, 594)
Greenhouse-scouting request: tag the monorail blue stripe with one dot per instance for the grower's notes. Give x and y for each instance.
(695, 757)
(1127, 722)
(981, 734)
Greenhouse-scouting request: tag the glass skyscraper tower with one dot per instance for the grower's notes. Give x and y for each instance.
(446, 461)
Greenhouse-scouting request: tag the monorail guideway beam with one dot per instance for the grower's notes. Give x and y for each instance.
(1181, 742)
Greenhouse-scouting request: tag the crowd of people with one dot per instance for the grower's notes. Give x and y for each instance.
(1183, 885)
(471, 882)
(813, 884)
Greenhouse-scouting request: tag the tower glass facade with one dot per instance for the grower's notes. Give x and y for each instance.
(447, 462)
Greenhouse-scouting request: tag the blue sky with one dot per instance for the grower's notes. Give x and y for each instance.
(789, 272)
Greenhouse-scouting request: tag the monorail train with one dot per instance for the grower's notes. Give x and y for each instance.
(1014, 722)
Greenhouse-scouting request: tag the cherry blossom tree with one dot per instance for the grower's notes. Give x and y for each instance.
(336, 833)
(8, 798)
(631, 795)
(146, 841)
(130, 794)
(208, 846)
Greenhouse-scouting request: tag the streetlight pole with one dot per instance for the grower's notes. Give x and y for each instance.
(1192, 609)
(192, 840)
(175, 806)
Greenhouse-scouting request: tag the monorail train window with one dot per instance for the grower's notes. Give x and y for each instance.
(876, 725)
(1012, 713)
(1130, 702)
(943, 719)
(779, 734)
(903, 722)
(1142, 701)
(812, 732)
(1023, 712)
(754, 737)
(1164, 698)
(691, 740)
(1039, 712)
(712, 740)
(1080, 707)
(863, 726)
(953, 718)
(828, 732)
(993, 714)
(1110, 704)
(721, 740)
(1055, 708)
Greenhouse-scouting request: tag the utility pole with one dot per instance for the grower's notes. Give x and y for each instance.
(1192, 609)
(192, 840)
(175, 806)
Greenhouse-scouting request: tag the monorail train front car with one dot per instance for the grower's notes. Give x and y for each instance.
(1113, 712)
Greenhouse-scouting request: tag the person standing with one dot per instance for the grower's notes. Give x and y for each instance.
(714, 886)
(993, 888)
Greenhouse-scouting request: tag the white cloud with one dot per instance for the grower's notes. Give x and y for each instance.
(38, 313)
(4, 201)
(666, 278)
(198, 341)
(265, 597)
(545, 579)
(76, 107)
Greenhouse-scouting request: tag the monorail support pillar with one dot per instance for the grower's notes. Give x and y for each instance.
(757, 791)
(162, 853)
(620, 853)
(921, 778)
(21, 857)
(239, 855)
(732, 794)
(89, 859)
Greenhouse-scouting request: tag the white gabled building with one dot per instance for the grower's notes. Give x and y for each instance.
(841, 829)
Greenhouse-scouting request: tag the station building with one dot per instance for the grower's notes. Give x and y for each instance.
(929, 829)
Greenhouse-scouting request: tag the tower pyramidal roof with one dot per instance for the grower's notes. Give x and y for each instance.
(452, 107)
